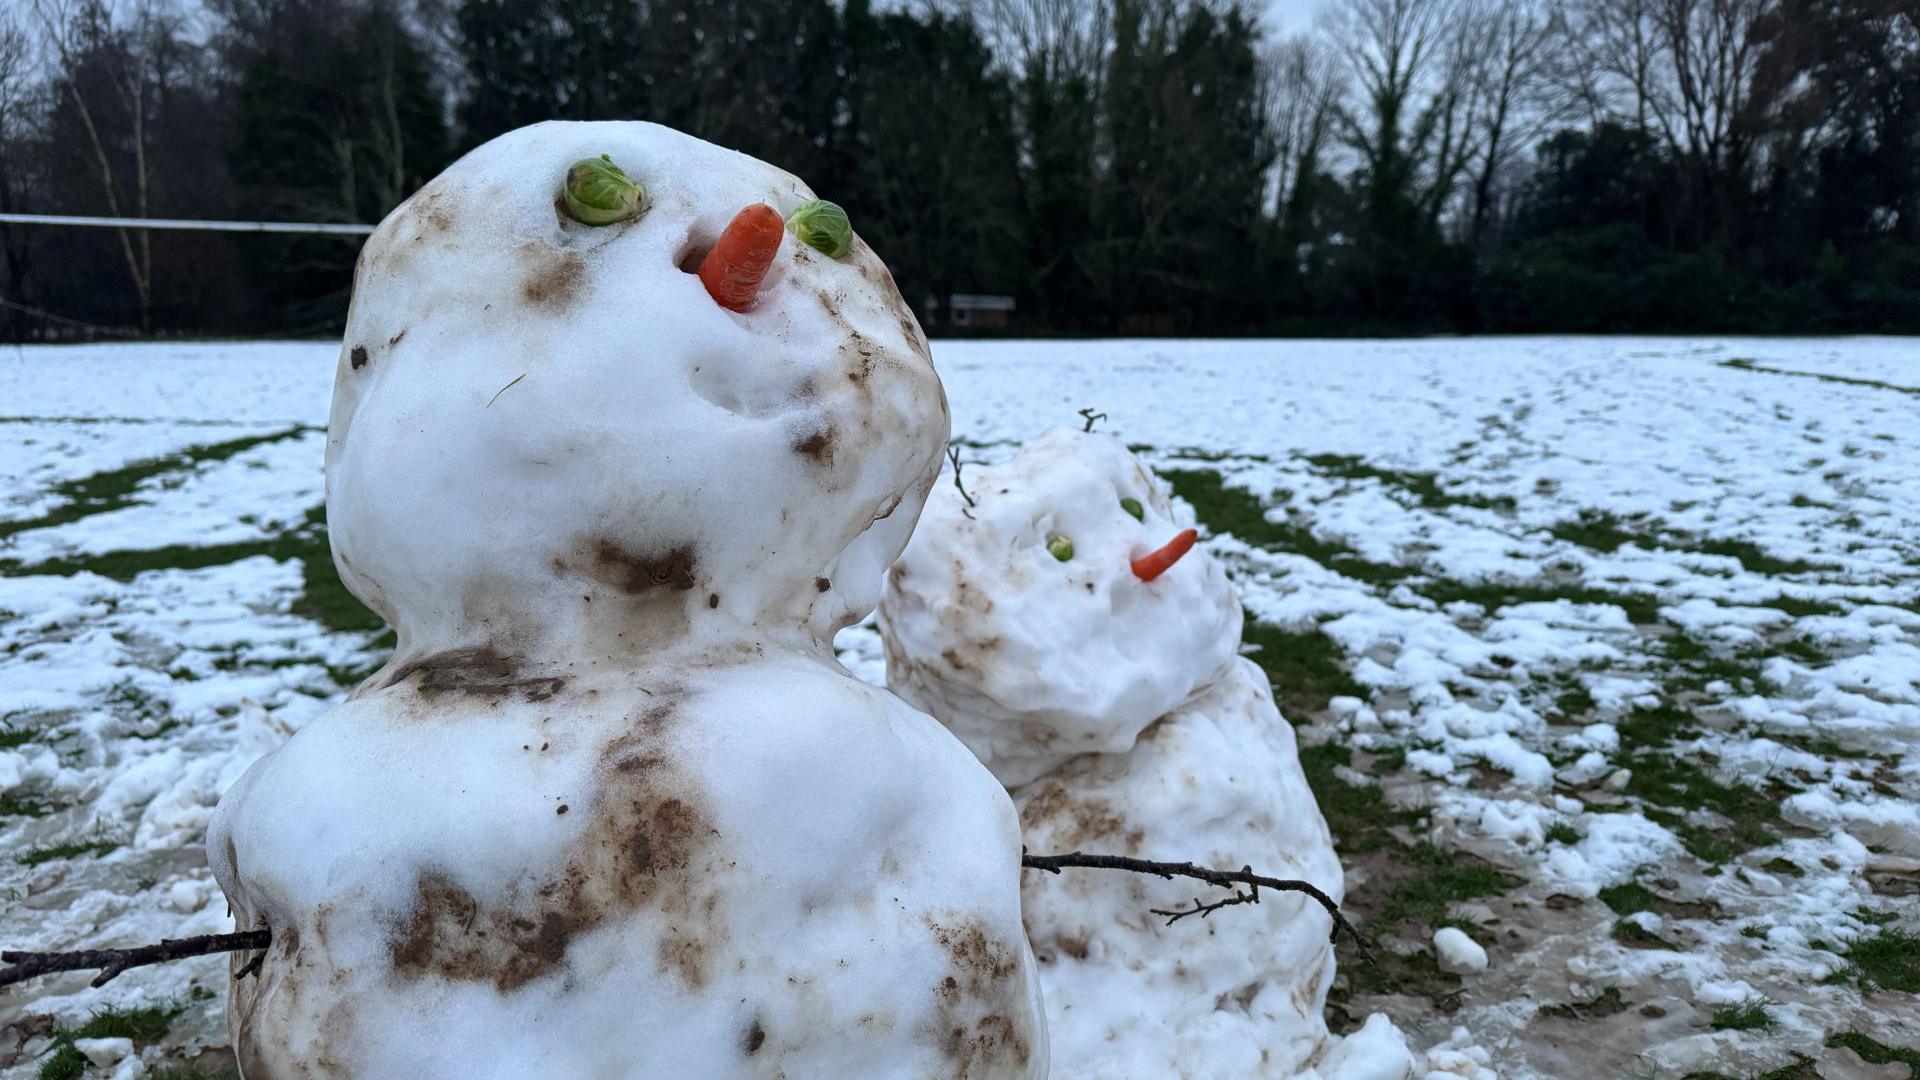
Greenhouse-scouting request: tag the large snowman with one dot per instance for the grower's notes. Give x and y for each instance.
(613, 809)
(1058, 619)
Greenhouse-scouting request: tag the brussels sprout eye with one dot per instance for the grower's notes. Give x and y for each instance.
(1132, 506)
(822, 226)
(599, 193)
(1059, 547)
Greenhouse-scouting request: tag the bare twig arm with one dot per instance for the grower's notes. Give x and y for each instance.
(22, 966)
(1225, 879)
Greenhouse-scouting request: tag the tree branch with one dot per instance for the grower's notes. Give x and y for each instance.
(1225, 879)
(111, 962)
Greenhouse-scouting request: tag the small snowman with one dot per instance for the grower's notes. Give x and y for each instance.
(617, 458)
(1056, 615)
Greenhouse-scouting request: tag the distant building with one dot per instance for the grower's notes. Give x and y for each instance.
(975, 310)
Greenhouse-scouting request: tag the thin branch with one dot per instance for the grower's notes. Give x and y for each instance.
(1225, 879)
(1203, 909)
(111, 962)
(953, 455)
(1090, 416)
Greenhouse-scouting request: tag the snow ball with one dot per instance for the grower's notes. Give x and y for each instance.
(188, 896)
(1375, 1052)
(1031, 658)
(553, 429)
(104, 1053)
(1457, 953)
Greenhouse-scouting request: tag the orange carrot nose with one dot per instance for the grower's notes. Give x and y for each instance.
(1154, 563)
(733, 270)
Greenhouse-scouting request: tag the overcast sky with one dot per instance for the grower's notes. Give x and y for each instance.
(1287, 16)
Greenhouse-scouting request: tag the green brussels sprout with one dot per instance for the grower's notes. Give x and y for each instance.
(1132, 506)
(822, 226)
(599, 193)
(1059, 547)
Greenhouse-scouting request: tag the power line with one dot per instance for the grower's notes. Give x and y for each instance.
(309, 227)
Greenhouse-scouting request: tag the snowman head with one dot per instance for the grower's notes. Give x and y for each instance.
(1022, 622)
(547, 435)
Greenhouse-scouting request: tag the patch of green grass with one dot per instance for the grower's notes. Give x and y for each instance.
(1575, 702)
(143, 1024)
(1716, 846)
(1643, 608)
(1629, 898)
(96, 846)
(1628, 932)
(1424, 487)
(1889, 960)
(1600, 530)
(1699, 663)
(1358, 815)
(1801, 608)
(1239, 512)
(21, 804)
(1437, 877)
(1749, 1015)
(1782, 865)
(1644, 729)
(1801, 1068)
(1307, 668)
(1562, 833)
(325, 598)
(113, 489)
(1751, 555)
(1756, 931)
(1744, 364)
(1876, 1053)
(1607, 1004)
(1672, 781)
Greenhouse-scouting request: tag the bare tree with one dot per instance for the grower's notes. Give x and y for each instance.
(1515, 53)
(16, 74)
(1691, 73)
(1303, 89)
(1411, 119)
(125, 52)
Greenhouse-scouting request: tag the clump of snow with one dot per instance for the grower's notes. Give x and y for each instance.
(612, 808)
(1031, 660)
(1457, 953)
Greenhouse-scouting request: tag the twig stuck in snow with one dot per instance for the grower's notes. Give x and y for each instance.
(953, 455)
(1225, 879)
(1090, 416)
(111, 962)
(1204, 909)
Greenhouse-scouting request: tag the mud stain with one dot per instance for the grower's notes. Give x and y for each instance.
(482, 672)
(553, 279)
(647, 855)
(818, 446)
(977, 1000)
(1071, 821)
(636, 574)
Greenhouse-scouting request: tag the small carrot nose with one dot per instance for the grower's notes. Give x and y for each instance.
(738, 263)
(1154, 563)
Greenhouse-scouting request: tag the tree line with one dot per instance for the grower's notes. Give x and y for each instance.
(1116, 166)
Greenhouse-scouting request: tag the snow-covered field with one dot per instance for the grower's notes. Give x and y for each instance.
(1606, 652)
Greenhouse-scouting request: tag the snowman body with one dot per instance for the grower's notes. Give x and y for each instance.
(613, 809)
(1123, 721)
